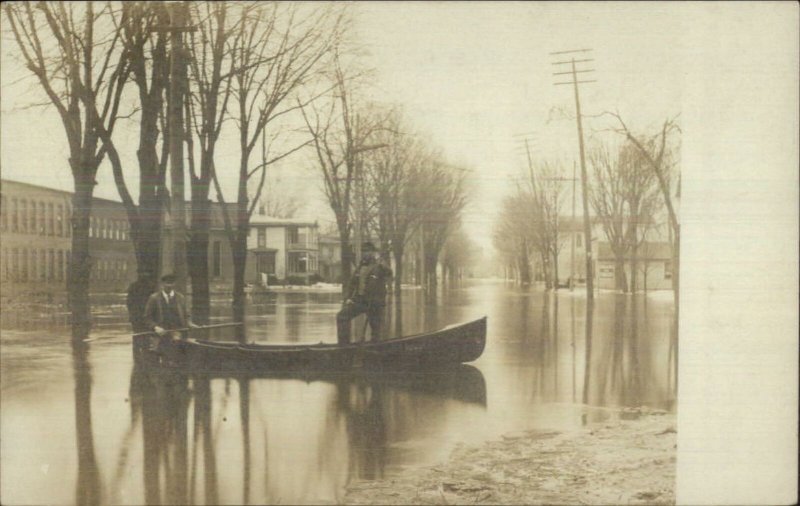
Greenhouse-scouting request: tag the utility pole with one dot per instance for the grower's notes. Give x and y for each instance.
(177, 87)
(587, 227)
(572, 235)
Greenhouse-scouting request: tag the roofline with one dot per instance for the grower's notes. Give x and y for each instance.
(56, 190)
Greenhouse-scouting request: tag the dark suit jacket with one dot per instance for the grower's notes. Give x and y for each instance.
(156, 305)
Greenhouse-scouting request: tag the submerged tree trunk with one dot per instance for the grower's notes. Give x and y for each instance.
(239, 264)
(620, 280)
(397, 252)
(634, 267)
(347, 258)
(78, 279)
(555, 270)
(197, 257)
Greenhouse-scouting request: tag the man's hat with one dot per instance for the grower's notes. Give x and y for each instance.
(368, 247)
(168, 278)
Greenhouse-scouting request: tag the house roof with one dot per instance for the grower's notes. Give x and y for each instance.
(258, 219)
(647, 250)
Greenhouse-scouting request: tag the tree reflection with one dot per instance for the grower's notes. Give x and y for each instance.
(88, 489)
(163, 398)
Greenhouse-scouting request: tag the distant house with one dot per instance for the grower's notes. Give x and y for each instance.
(653, 266)
(282, 250)
(653, 257)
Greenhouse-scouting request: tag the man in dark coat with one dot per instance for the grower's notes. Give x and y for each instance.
(366, 294)
(165, 311)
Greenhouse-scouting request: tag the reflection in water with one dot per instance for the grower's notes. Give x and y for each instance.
(240, 440)
(88, 489)
(181, 448)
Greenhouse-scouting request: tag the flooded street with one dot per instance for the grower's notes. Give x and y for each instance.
(89, 427)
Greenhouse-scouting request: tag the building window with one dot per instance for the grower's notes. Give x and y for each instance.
(262, 210)
(216, 261)
(60, 265)
(265, 262)
(34, 264)
(68, 264)
(298, 262)
(69, 220)
(606, 272)
(40, 224)
(293, 235)
(24, 265)
(262, 237)
(14, 215)
(34, 222)
(578, 240)
(23, 216)
(15, 261)
(668, 269)
(60, 221)
(51, 265)
(43, 272)
(3, 212)
(51, 219)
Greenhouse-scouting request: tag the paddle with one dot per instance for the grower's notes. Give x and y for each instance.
(150, 332)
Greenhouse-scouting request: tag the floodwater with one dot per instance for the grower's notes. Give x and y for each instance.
(89, 427)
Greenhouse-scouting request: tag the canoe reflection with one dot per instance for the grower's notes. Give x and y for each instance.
(191, 458)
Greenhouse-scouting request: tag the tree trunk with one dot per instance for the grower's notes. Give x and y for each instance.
(81, 263)
(431, 279)
(197, 257)
(548, 277)
(555, 270)
(634, 266)
(239, 263)
(347, 258)
(620, 279)
(398, 271)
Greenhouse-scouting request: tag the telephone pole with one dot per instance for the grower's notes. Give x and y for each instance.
(568, 58)
(177, 85)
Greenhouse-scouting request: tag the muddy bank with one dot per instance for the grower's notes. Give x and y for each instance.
(623, 461)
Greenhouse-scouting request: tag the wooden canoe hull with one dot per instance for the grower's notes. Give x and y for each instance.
(452, 345)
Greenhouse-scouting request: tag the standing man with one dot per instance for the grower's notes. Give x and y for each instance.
(165, 311)
(366, 294)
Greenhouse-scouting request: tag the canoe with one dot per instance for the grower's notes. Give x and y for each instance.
(453, 344)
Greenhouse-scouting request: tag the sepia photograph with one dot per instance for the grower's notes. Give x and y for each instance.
(398, 252)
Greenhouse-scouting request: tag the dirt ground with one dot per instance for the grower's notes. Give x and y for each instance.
(630, 460)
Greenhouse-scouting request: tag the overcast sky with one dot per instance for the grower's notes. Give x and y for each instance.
(471, 76)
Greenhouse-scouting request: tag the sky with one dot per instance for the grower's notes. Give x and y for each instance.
(474, 77)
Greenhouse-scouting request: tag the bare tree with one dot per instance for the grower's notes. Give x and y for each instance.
(282, 48)
(513, 236)
(341, 132)
(211, 66)
(77, 58)
(277, 200)
(444, 194)
(544, 204)
(641, 195)
(394, 177)
(660, 152)
(607, 196)
(458, 254)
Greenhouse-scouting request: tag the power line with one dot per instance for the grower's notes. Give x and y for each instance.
(573, 71)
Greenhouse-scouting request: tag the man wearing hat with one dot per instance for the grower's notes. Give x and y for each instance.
(165, 311)
(366, 294)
